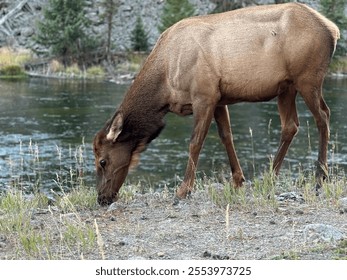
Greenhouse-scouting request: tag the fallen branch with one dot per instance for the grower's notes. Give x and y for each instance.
(10, 14)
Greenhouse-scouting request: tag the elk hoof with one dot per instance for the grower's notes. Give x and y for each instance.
(238, 180)
(317, 188)
(176, 201)
(181, 195)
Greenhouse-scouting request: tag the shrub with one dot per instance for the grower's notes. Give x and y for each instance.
(95, 72)
(56, 67)
(9, 57)
(11, 70)
(73, 70)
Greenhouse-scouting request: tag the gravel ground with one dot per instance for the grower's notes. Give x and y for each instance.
(151, 226)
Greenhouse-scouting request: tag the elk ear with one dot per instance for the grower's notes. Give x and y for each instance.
(115, 128)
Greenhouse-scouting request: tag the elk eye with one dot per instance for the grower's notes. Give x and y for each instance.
(102, 163)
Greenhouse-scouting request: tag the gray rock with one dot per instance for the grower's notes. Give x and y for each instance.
(291, 196)
(27, 31)
(115, 206)
(315, 233)
(112, 207)
(343, 204)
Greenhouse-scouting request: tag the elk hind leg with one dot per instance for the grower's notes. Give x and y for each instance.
(315, 102)
(289, 124)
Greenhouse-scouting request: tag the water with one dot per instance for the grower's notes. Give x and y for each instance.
(47, 127)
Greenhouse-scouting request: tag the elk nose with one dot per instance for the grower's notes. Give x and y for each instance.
(104, 201)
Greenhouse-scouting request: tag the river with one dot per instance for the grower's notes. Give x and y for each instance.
(47, 127)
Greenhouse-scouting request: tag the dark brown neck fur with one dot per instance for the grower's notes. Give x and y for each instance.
(143, 107)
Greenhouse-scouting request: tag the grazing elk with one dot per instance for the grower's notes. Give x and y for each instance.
(202, 64)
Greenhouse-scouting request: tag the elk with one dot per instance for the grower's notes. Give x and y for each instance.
(202, 64)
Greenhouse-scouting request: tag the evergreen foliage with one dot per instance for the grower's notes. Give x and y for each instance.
(63, 29)
(335, 11)
(226, 5)
(110, 10)
(174, 11)
(139, 37)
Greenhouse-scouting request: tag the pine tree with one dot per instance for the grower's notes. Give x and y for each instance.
(110, 10)
(174, 11)
(139, 37)
(226, 5)
(63, 29)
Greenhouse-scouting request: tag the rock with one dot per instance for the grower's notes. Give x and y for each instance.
(209, 255)
(342, 203)
(137, 258)
(115, 206)
(291, 196)
(315, 233)
(218, 186)
(27, 31)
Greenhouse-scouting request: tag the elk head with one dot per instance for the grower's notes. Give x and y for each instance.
(115, 153)
(117, 149)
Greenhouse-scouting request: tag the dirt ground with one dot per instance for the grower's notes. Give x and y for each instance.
(151, 226)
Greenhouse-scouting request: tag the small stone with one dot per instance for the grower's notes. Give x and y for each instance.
(272, 222)
(3, 238)
(217, 186)
(342, 202)
(290, 196)
(115, 206)
(160, 254)
(112, 207)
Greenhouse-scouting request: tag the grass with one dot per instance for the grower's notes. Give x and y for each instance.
(33, 238)
(12, 66)
(23, 212)
(56, 68)
(10, 57)
(19, 220)
(133, 62)
(12, 62)
(339, 65)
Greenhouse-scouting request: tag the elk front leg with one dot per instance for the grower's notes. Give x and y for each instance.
(202, 120)
(221, 116)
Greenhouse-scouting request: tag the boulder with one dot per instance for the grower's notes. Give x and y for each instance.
(317, 233)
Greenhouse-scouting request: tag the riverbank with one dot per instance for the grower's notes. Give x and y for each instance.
(121, 70)
(264, 220)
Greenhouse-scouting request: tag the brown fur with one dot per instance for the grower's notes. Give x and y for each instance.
(201, 64)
